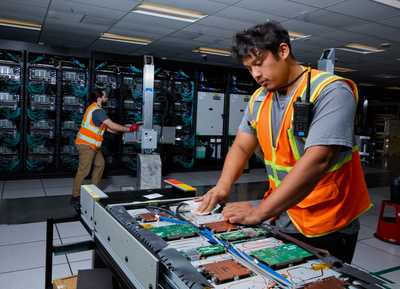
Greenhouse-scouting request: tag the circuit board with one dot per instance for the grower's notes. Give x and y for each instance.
(211, 250)
(282, 255)
(175, 231)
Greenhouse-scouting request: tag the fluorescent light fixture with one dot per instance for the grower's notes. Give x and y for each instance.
(358, 48)
(366, 84)
(393, 3)
(126, 39)
(385, 75)
(168, 12)
(397, 58)
(297, 35)
(342, 69)
(20, 24)
(212, 51)
(393, 87)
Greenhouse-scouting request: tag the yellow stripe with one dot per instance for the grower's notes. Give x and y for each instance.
(96, 197)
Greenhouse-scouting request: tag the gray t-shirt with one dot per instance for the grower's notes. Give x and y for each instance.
(332, 124)
(99, 115)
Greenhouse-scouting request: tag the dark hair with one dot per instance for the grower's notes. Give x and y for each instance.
(258, 39)
(98, 92)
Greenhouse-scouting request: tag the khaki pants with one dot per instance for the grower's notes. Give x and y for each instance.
(87, 157)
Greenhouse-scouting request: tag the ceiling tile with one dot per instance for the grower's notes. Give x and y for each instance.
(207, 30)
(329, 19)
(252, 17)
(223, 23)
(36, 3)
(281, 8)
(347, 37)
(375, 29)
(154, 21)
(66, 16)
(304, 27)
(92, 10)
(123, 5)
(368, 10)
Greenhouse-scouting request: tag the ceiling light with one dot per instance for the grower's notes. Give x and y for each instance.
(126, 39)
(168, 12)
(342, 69)
(393, 87)
(212, 51)
(365, 84)
(20, 24)
(386, 76)
(358, 48)
(393, 3)
(297, 35)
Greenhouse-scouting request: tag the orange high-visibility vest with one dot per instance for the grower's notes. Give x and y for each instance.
(341, 195)
(89, 134)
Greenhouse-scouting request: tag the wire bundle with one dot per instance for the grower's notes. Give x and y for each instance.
(185, 164)
(136, 93)
(189, 143)
(77, 91)
(134, 117)
(37, 114)
(35, 165)
(36, 140)
(76, 117)
(11, 113)
(9, 140)
(39, 58)
(9, 166)
(37, 88)
(9, 85)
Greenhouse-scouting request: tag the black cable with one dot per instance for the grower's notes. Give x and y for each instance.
(293, 80)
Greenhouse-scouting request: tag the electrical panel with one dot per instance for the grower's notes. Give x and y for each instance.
(237, 106)
(210, 112)
(10, 111)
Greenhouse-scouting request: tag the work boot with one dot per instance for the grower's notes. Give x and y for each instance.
(75, 200)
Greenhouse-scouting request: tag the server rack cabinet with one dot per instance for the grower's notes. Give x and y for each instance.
(41, 108)
(74, 74)
(11, 119)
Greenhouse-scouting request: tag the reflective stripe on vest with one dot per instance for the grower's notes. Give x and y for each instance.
(90, 134)
(341, 195)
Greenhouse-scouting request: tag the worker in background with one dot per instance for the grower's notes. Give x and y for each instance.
(317, 188)
(89, 139)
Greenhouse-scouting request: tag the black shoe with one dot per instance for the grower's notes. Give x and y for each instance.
(75, 200)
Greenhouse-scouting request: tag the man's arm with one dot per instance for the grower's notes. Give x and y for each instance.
(114, 127)
(296, 186)
(241, 150)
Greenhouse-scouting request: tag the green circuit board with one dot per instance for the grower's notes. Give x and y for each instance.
(234, 236)
(281, 255)
(175, 231)
(211, 250)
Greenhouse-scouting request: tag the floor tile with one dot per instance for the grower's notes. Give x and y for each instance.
(71, 229)
(23, 193)
(198, 182)
(372, 259)
(365, 232)
(81, 265)
(23, 233)
(55, 183)
(23, 184)
(32, 278)
(25, 256)
(179, 177)
(384, 246)
(58, 191)
(370, 221)
(1, 186)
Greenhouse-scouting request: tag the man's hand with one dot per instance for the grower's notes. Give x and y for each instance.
(134, 127)
(211, 199)
(242, 213)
